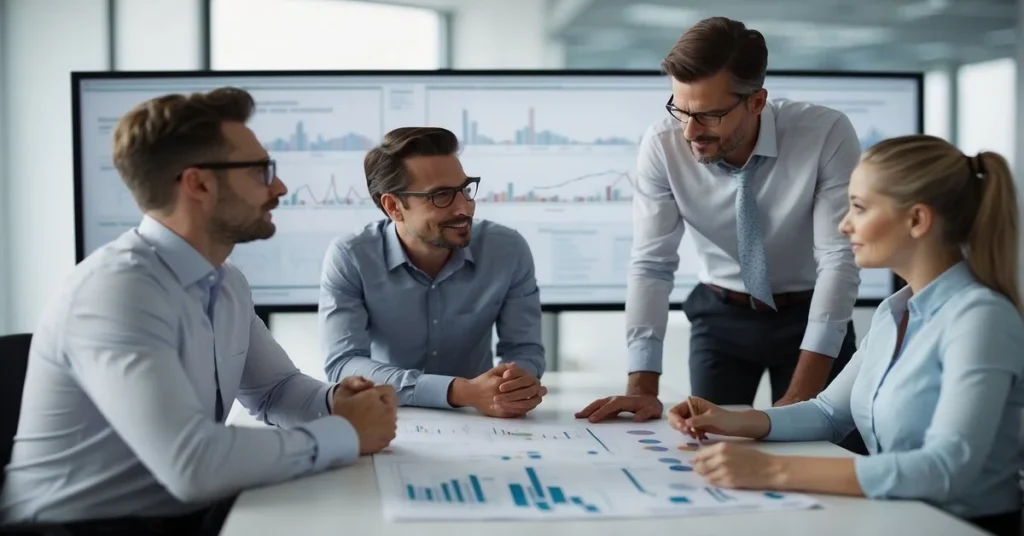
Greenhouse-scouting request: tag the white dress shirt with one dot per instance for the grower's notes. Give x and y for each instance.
(118, 416)
(801, 190)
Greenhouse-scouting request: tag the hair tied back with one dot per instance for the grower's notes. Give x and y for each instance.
(976, 166)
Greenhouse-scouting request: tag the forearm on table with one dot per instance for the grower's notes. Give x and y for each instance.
(835, 476)
(294, 400)
(413, 387)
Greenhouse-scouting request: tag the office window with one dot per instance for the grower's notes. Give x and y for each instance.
(987, 107)
(323, 34)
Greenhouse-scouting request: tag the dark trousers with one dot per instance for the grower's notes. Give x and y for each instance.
(732, 345)
(205, 522)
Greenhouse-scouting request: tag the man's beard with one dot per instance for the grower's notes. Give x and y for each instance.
(726, 147)
(441, 242)
(235, 222)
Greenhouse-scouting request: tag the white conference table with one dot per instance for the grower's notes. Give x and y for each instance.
(346, 501)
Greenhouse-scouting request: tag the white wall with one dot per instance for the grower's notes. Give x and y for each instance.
(45, 41)
(5, 220)
(502, 34)
(157, 35)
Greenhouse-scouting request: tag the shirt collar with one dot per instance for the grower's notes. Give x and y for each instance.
(766, 135)
(187, 264)
(933, 296)
(765, 147)
(395, 255)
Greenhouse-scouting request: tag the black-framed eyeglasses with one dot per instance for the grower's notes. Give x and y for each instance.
(268, 167)
(444, 197)
(708, 119)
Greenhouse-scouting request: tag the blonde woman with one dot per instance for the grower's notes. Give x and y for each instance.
(937, 386)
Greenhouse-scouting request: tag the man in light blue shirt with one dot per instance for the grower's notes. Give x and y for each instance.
(133, 366)
(411, 301)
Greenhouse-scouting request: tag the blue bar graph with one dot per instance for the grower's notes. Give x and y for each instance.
(458, 490)
(451, 491)
(557, 496)
(301, 140)
(535, 481)
(476, 488)
(533, 495)
(529, 134)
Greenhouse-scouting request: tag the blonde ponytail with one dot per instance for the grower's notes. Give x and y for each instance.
(974, 196)
(992, 245)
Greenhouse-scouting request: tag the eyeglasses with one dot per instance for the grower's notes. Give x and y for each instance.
(268, 167)
(708, 119)
(444, 197)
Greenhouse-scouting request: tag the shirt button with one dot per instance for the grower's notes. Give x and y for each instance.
(435, 320)
(434, 352)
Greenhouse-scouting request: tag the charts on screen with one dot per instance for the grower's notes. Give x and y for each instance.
(527, 472)
(556, 155)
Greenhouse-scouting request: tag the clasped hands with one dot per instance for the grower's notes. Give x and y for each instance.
(505, 391)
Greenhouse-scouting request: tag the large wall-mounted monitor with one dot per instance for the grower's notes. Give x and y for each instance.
(556, 151)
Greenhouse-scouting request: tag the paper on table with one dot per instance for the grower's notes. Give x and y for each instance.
(478, 468)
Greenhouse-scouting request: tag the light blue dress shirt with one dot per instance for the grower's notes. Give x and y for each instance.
(805, 153)
(942, 422)
(386, 320)
(118, 412)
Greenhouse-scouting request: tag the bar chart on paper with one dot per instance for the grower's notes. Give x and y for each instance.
(484, 491)
(477, 469)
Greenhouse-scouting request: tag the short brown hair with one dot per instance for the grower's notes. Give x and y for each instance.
(159, 138)
(384, 165)
(719, 43)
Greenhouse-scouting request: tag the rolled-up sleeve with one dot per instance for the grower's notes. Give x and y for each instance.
(657, 233)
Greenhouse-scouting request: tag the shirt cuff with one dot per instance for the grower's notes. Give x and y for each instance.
(824, 338)
(431, 391)
(330, 399)
(525, 364)
(791, 423)
(875, 474)
(645, 355)
(337, 442)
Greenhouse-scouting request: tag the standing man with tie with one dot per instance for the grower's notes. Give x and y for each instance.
(762, 187)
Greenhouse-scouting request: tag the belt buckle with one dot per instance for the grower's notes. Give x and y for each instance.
(753, 303)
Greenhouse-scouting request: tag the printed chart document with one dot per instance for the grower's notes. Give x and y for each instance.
(475, 468)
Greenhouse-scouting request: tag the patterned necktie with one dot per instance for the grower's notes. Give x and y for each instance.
(214, 287)
(753, 260)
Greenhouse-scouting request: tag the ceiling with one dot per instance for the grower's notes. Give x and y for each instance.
(801, 34)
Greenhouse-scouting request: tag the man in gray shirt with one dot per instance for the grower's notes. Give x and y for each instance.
(136, 361)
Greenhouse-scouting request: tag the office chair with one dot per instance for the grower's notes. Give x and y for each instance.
(14, 364)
